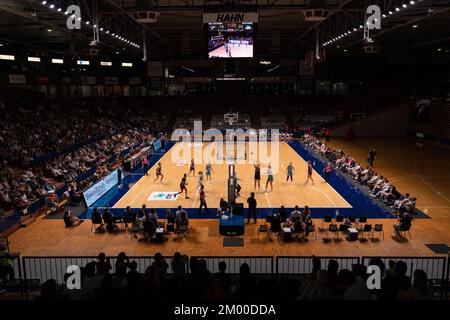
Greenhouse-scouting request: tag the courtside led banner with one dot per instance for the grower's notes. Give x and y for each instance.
(100, 188)
(230, 17)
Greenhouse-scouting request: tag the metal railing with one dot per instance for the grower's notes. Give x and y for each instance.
(32, 272)
(304, 265)
(258, 264)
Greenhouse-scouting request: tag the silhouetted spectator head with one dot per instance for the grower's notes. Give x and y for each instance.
(193, 264)
(244, 270)
(360, 270)
(346, 277)
(102, 257)
(400, 268)
(420, 280)
(133, 266)
(49, 288)
(151, 272)
(90, 269)
(333, 267)
(316, 263)
(222, 266)
(158, 257)
(121, 256)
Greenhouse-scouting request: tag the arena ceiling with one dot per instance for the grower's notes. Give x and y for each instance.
(178, 32)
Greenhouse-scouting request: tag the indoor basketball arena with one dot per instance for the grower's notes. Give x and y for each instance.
(272, 151)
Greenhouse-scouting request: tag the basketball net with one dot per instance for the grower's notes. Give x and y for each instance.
(231, 118)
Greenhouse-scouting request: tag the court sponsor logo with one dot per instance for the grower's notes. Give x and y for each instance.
(233, 146)
(163, 196)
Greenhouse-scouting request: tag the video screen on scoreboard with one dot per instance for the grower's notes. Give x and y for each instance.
(230, 40)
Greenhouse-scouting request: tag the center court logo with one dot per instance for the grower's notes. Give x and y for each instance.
(237, 146)
(163, 196)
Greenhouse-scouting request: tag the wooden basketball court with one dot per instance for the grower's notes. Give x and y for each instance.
(175, 163)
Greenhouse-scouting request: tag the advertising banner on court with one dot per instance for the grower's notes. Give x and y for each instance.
(100, 188)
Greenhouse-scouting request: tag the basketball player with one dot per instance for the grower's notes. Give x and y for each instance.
(202, 200)
(237, 185)
(200, 179)
(257, 177)
(159, 173)
(269, 178)
(145, 165)
(310, 172)
(289, 172)
(183, 185)
(208, 170)
(192, 168)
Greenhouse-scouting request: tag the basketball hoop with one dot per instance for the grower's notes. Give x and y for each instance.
(231, 118)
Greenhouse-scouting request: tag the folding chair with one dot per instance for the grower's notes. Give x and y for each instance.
(312, 228)
(360, 222)
(378, 228)
(96, 222)
(333, 229)
(326, 219)
(405, 230)
(183, 229)
(366, 229)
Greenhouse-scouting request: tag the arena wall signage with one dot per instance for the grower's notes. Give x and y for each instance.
(100, 188)
(111, 80)
(17, 79)
(229, 17)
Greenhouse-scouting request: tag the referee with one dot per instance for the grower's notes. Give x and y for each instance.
(251, 208)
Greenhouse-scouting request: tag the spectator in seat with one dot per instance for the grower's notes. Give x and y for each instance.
(149, 228)
(245, 284)
(421, 288)
(316, 289)
(133, 277)
(396, 281)
(97, 218)
(275, 226)
(222, 275)
(108, 219)
(160, 266)
(179, 264)
(404, 223)
(103, 266)
(182, 223)
(122, 263)
(171, 216)
(71, 220)
(128, 216)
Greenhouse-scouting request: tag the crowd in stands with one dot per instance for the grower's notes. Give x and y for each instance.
(187, 279)
(72, 137)
(376, 184)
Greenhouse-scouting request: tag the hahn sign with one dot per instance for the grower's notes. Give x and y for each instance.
(230, 17)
